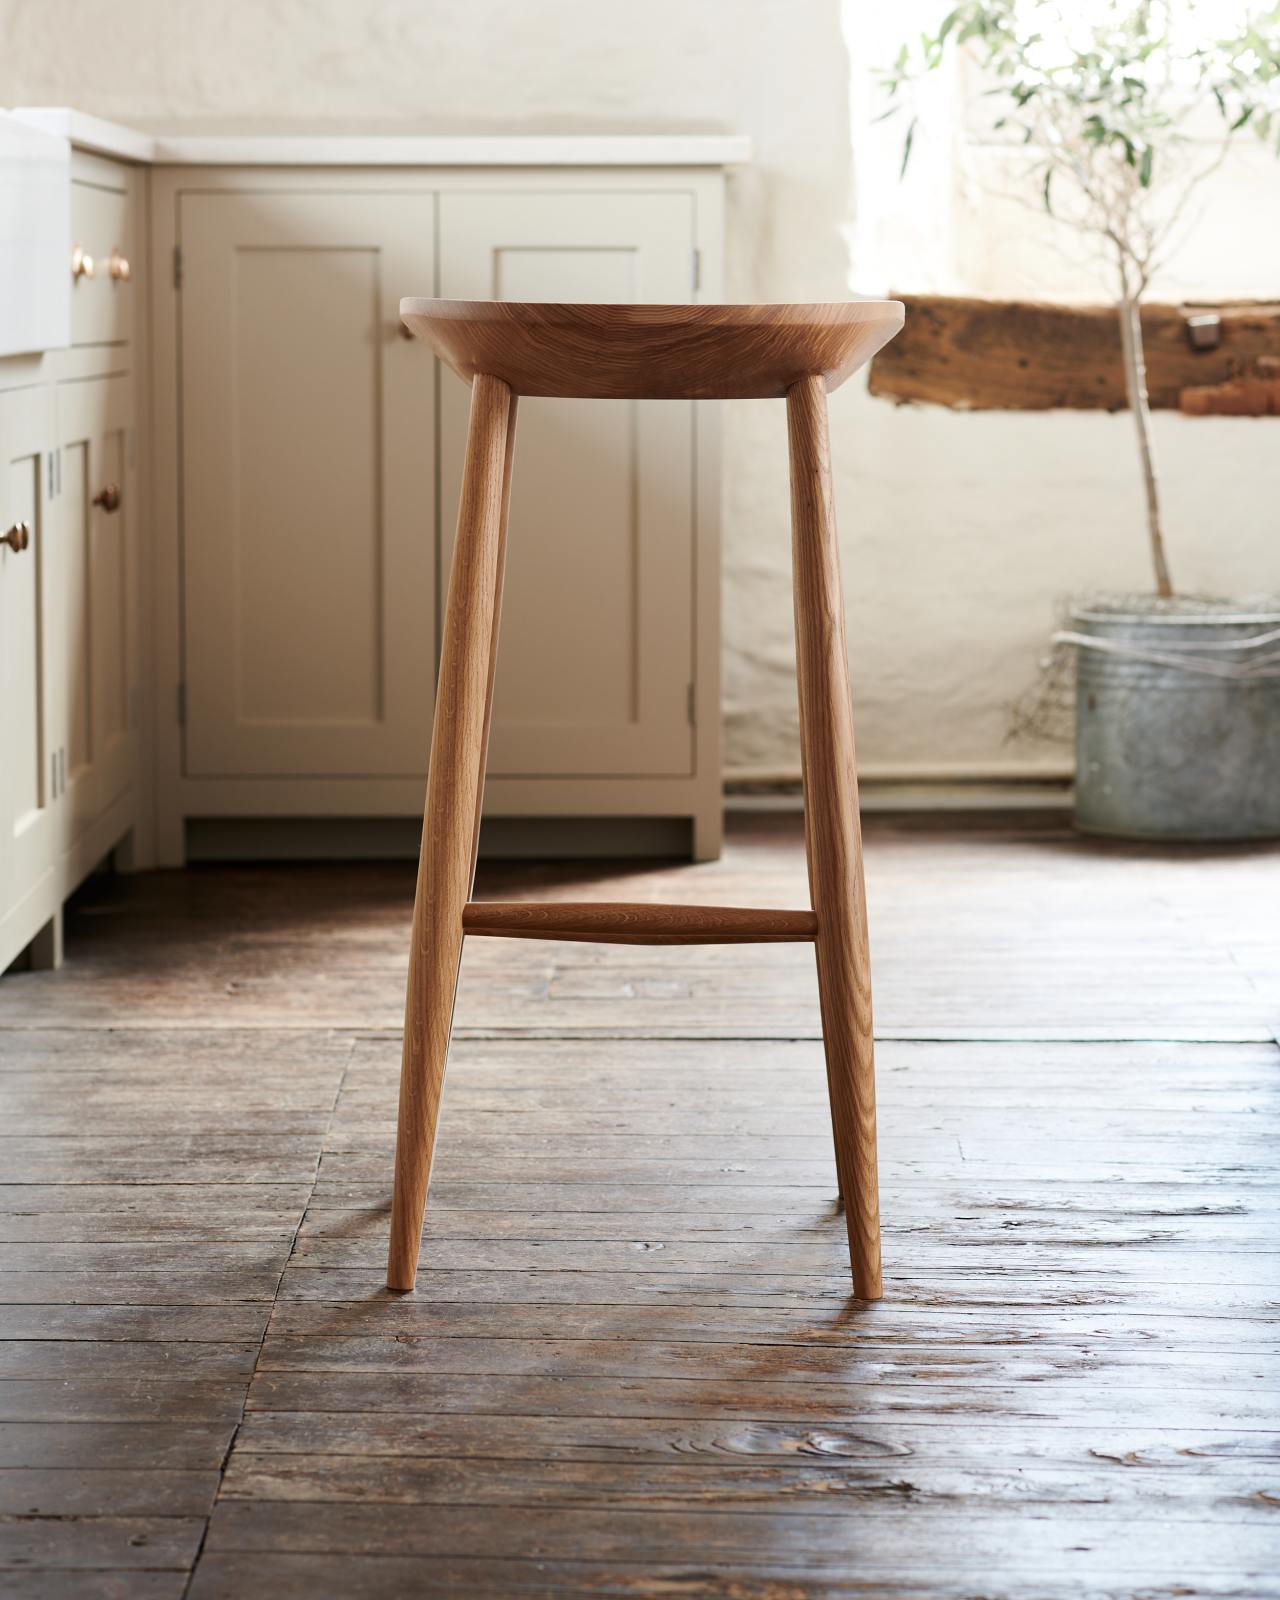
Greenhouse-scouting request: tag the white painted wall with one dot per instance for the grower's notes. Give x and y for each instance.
(960, 532)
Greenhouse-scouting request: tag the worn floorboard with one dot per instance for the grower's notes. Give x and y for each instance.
(631, 1366)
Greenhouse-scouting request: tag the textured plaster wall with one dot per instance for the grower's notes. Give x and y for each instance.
(959, 532)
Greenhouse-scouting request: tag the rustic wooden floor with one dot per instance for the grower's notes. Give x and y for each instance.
(631, 1366)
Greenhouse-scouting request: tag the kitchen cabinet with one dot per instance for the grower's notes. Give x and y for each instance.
(233, 495)
(308, 458)
(232, 498)
(70, 585)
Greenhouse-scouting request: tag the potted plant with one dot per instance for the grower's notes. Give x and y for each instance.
(1122, 108)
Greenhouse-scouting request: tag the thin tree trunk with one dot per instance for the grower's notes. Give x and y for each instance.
(1135, 378)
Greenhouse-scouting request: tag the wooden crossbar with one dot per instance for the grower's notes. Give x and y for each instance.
(615, 922)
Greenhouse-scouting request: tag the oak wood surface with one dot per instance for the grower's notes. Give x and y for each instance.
(653, 352)
(632, 1362)
(328, 956)
(301, 1576)
(615, 922)
(455, 786)
(1019, 355)
(833, 842)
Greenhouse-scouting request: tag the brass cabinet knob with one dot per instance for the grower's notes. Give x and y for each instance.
(118, 265)
(17, 538)
(108, 498)
(82, 263)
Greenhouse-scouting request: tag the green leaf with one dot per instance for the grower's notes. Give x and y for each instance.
(1144, 166)
(1048, 180)
(906, 149)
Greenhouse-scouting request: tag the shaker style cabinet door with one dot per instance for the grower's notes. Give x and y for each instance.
(308, 518)
(595, 660)
(91, 562)
(28, 620)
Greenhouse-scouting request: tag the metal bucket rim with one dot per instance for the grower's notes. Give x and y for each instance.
(1202, 619)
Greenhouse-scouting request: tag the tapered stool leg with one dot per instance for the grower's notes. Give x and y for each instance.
(833, 839)
(450, 830)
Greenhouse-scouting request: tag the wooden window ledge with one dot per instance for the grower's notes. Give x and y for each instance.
(1021, 355)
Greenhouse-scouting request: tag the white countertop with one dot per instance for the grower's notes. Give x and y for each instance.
(386, 150)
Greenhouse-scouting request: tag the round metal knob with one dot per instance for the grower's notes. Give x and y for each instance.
(118, 265)
(82, 263)
(18, 537)
(108, 498)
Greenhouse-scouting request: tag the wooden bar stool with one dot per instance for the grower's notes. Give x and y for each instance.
(646, 352)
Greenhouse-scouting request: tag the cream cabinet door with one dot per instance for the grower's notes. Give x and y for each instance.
(103, 213)
(308, 465)
(595, 662)
(92, 569)
(28, 622)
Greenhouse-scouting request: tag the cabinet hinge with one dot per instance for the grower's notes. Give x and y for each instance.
(692, 704)
(182, 705)
(697, 271)
(177, 266)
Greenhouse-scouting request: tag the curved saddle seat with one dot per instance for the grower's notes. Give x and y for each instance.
(653, 352)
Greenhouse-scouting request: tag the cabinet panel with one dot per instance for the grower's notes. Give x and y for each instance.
(27, 791)
(308, 484)
(91, 566)
(102, 225)
(596, 657)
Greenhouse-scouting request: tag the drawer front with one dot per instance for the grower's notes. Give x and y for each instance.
(103, 291)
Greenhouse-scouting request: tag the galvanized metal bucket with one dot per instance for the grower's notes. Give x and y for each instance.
(1177, 724)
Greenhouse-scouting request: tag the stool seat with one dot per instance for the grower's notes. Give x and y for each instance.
(653, 352)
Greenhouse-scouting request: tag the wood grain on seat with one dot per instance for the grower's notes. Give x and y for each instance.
(654, 352)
